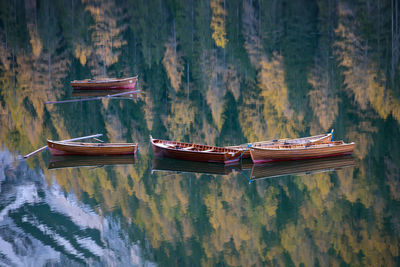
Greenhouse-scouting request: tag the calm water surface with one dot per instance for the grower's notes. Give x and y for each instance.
(214, 72)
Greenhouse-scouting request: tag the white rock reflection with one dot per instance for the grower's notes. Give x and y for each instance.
(39, 225)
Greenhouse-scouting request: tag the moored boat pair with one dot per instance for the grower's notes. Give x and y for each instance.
(317, 146)
(173, 149)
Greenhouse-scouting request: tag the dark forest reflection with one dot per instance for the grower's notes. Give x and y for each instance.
(213, 72)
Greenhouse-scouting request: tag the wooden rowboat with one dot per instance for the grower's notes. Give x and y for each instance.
(105, 84)
(99, 149)
(194, 152)
(315, 139)
(299, 151)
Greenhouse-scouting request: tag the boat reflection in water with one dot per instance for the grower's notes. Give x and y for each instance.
(185, 166)
(300, 167)
(57, 162)
(255, 171)
(102, 93)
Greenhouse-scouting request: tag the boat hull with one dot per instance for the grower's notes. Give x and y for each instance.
(176, 150)
(106, 84)
(93, 149)
(280, 153)
(315, 139)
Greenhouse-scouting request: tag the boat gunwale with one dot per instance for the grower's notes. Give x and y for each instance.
(315, 146)
(100, 145)
(229, 150)
(103, 81)
(295, 141)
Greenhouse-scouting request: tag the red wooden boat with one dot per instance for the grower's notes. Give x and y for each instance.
(106, 84)
(279, 152)
(99, 149)
(194, 152)
(315, 139)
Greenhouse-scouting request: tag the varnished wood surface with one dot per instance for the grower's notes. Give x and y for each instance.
(300, 151)
(194, 152)
(78, 148)
(316, 139)
(103, 84)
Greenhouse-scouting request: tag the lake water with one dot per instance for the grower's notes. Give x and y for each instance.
(212, 72)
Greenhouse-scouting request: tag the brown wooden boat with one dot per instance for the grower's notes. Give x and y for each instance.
(315, 139)
(300, 167)
(77, 148)
(105, 84)
(194, 152)
(57, 162)
(279, 152)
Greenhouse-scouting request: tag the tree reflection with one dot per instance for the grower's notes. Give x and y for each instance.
(281, 74)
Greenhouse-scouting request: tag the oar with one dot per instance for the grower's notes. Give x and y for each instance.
(73, 139)
(34, 152)
(91, 98)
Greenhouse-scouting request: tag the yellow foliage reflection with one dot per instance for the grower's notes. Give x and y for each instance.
(218, 22)
(362, 77)
(216, 89)
(82, 53)
(324, 104)
(180, 121)
(106, 36)
(281, 120)
(36, 43)
(173, 64)
(28, 80)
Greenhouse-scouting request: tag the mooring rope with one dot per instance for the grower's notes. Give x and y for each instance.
(245, 175)
(241, 155)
